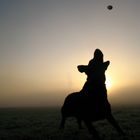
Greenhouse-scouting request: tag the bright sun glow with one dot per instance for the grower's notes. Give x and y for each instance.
(108, 83)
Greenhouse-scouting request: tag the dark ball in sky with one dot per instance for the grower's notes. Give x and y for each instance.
(109, 7)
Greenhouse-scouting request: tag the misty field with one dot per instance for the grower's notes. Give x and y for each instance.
(43, 124)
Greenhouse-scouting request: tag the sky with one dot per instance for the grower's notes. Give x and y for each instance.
(43, 41)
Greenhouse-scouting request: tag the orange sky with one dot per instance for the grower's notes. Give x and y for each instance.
(42, 43)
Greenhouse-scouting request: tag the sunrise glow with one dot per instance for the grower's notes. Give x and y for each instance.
(108, 83)
(43, 42)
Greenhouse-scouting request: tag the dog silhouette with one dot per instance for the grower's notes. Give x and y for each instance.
(90, 104)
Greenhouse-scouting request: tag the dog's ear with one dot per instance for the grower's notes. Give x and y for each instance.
(106, 64)
(82, 68)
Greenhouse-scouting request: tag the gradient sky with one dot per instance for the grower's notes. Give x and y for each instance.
(43, 41)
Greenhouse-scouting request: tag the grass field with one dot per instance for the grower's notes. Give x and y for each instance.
(43, 124)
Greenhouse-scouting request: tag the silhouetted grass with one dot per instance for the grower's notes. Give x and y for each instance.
(43, 124)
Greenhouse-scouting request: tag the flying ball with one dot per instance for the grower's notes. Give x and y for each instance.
(109, 7)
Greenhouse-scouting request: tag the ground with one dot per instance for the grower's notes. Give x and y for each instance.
(43, 124)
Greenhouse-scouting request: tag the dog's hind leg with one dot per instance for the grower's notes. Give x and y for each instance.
(111, 119)
(92, 130)
(79, 121)
(62, 124)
